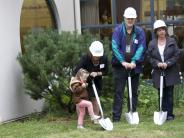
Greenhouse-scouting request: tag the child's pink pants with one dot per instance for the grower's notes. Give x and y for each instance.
(81, 110)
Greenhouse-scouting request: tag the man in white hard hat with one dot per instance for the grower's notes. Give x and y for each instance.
(128, 46)
(95, 62)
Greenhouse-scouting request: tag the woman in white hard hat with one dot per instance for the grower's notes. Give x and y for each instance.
(95, 62)
(163, 54)
(128, 46)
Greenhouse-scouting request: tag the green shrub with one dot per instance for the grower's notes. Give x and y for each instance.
(48, 62)
(148, 97)
(179, 95)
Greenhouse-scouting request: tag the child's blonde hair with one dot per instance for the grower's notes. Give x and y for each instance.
(82, 73)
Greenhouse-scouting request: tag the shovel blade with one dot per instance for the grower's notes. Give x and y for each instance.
(132, 117)
(160, 117)
(106, 124)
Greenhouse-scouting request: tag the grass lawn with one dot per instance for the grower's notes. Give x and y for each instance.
(65, 127)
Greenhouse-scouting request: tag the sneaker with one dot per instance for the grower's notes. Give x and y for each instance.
(96, 121)
(95, 117)
(80, 127)
(115, 120)
(170, 117)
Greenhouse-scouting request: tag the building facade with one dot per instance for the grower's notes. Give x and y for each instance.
(14, 103)
(98, 16)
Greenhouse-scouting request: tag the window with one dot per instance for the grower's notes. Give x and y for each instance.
(100, 16)
(172, 11)
(36, 15)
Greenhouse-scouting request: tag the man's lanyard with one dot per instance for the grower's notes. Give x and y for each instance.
(129, 43)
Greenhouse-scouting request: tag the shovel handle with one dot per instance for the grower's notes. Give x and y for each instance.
(130, 89)
(97, 98)
(161, 89)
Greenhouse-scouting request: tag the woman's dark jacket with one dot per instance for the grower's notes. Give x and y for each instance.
(171, 55)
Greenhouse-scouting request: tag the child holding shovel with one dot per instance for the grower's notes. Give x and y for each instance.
(80, 97)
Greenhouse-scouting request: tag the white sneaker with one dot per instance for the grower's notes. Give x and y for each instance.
(95, 117)
(80, 127)
(96, 121)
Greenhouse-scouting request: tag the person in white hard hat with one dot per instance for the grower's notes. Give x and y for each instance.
(128, 46)
(163, 54)
(96, 63)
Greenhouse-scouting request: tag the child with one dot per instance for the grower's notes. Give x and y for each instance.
(80, 97)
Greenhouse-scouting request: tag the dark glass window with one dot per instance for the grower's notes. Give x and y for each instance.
(36, 15)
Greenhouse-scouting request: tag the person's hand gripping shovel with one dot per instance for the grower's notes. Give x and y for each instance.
(131, 117)
(160, 117)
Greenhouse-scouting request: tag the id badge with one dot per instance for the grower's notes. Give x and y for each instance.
(136, 41)
(102, 66)
(128, 49)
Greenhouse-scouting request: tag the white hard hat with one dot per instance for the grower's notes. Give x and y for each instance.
(130, 13)
(96, 49)
(158, 24)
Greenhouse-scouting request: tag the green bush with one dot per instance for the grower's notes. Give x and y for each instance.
(179, 95)
(48, 62)
(148, 97)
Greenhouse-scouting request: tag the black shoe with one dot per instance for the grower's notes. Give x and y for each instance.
(170, 117)
(115, 120)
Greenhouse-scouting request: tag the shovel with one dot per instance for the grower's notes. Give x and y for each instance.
(131, 117)
(160, 117)
(105, 123)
